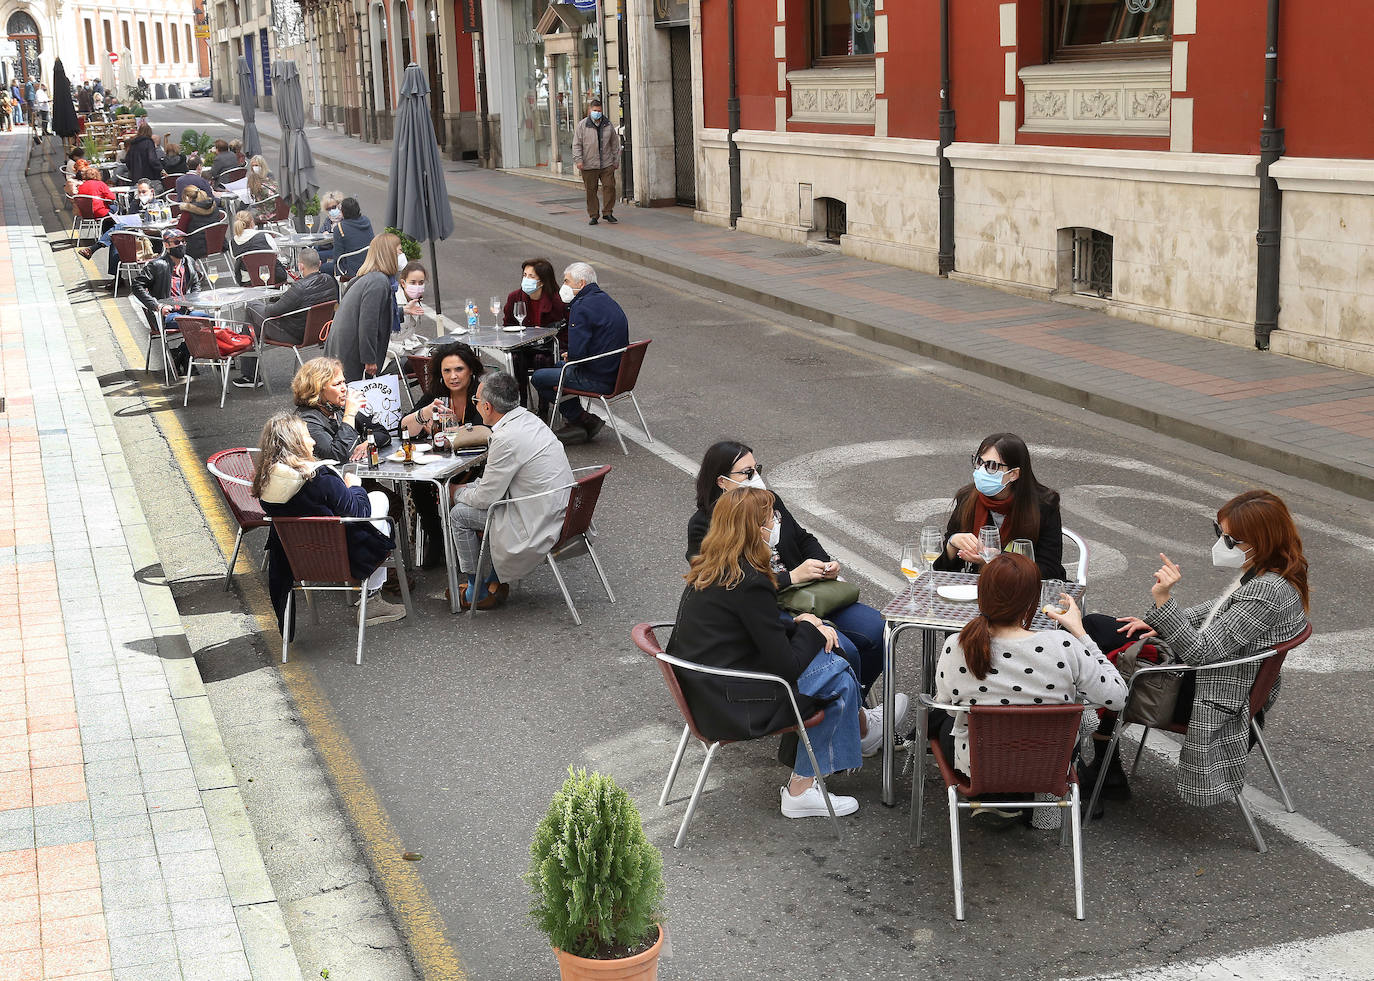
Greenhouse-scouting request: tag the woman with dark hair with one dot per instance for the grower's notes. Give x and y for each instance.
(1265, 605)
(1004, 493)
(728, 618)
(543, 308)
(998, 660)
(198, 210)
(796, 557)
(142, 157)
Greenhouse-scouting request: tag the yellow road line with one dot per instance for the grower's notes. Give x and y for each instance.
(419, 919)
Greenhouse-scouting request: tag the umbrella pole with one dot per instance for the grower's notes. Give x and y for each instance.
(434, 265)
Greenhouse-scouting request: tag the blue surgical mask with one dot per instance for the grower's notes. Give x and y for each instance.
(529, 285)
(988, 484)
(335, 214)
(596, 115)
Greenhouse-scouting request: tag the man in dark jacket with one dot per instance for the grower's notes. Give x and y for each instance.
(352, 233)
(296, 300)
(143, 159)
(596, 326)
(85, 99)
(158, 285)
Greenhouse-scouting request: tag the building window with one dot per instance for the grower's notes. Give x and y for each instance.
(161, 51)
(842, 31)
(190, 48)
(1086, 29)
(832, 218)
(1089, 255)
(143, 41)
(109, 37)
(90, 43)
(124, 27)
(176, 44)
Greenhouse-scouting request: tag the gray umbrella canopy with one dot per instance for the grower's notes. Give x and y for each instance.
(252, 143)
(296, 171)
(417, 197)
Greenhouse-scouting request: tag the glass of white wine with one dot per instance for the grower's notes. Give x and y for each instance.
(310, 224)
(212, 274)
(932, 544)
(912, 563)
(264, 273)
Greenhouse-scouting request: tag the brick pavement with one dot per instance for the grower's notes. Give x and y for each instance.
(1301, 418)
(125, 851)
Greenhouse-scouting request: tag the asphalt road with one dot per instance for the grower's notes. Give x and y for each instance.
(464, 728)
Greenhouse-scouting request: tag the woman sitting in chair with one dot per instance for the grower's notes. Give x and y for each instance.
(248, 237)
(1264, 606)
(728, 618)
(998, 660)
(262, 189)
(1005, 494)
(291, 483)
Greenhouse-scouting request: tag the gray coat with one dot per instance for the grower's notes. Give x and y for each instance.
(362, 324)
(524, 458)
(1261, 613)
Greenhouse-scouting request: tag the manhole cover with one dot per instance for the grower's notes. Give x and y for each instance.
(806, 254)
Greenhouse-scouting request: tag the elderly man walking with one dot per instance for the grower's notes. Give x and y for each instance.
(596, 154)
(523, 458)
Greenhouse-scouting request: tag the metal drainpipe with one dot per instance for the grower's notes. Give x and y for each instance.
(484, 123)
(1270, 197)
(732, 107)
(946, 188)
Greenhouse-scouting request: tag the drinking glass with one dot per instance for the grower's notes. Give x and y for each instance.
(495, 310)
(932, 544)
(989, 542)
(912, 564)
(213, 276)
(264, 274)
(310, 223)
(520, 311)
(1023, 546)
(1050, 591)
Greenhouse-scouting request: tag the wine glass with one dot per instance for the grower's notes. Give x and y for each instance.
(1023, 546)
(1050, 591)
(912, 563)
(212, 275)
(932, 544)
(989, 542)
(310, 223)
(521, 312)
(495, 309)
(264, 273)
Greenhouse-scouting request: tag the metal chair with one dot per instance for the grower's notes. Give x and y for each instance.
(232, 175)
(169, 182)
(317, 549)
(317, 321)
(233, 472)
(157, 336)
(125, 243)
(84, 222)
(213, 350)
(1080, 572)
(1266, 677)
(576, 534)
(1014, 749)
(631, 360)
(646, 640)
(252, 263)
(339, 273)
(215, 236)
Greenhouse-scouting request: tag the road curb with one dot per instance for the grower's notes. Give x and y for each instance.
(1318, 467)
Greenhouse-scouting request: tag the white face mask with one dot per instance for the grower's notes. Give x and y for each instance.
(1227, 558)
(774, 535)
(401, 260)
(567, 293)
(755, 481)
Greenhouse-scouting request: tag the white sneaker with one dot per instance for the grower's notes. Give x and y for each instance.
(380, 611)
(873, 742)
(809, 803)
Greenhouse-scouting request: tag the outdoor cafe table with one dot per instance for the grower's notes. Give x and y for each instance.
(295, 241)
(440, 472)
(496, 340)
(919, 607)
(225, 297)
(158, 226)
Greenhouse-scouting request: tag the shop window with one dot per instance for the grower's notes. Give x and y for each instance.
(842, 31)
(1088, 29)
(1085, 262)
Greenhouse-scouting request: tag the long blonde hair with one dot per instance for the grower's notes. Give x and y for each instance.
(284, 440)
(311, 378)
(381, 255)
(244, 220)
(256, 179)
(735, 536)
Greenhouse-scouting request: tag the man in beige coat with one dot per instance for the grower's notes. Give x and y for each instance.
(524, 458)
(596, 154)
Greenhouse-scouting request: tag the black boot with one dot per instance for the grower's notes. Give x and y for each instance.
(432, 556)
(1116, 786)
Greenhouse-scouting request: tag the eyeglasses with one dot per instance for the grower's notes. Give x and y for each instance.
(1230, 542)
(991, 466)
(748, 472)
(476, 399)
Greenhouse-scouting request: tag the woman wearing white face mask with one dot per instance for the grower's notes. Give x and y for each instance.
(1265, 605)
(796, 557)
(539, 292)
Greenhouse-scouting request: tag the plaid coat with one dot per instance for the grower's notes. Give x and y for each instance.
(1261, 613)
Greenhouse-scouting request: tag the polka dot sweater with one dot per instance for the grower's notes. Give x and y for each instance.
(1047, 668)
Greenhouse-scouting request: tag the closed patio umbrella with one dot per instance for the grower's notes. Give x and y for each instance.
(252, 143)
(296, 172)
(63, 112)
(417, 197)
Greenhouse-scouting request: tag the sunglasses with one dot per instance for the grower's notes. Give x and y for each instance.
(1230, 542)
(991, 466)
(748, 472)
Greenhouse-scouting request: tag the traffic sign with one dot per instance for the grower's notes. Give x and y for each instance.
(114, 58)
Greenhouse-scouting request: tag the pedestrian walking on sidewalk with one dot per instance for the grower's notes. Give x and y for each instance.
(596, 154)
(16, 104)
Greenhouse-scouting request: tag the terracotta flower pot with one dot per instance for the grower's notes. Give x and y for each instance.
(640, 967)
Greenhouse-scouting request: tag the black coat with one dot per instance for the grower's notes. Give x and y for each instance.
(153, 284)
(740, 628)
(795, 543)
(257, 242)
(324, 494)
(144, 160)
(300, 295)
(335, 439)
(1049, 544)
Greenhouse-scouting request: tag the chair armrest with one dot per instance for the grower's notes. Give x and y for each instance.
(1193, 668)
(595, 357)
(279, 316)
(743, 675)
(531, 497)
(928, 703)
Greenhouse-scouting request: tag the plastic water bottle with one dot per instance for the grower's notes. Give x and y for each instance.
(470, 305)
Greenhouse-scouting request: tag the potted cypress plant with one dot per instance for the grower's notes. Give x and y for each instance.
(597, 883)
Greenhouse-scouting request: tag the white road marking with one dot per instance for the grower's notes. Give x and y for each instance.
(1339, 957)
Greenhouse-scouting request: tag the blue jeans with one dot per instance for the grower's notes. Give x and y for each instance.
(861, 639)
(829, 678)
(546, 384)
(17, 114)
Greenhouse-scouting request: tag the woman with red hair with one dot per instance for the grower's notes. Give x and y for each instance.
(1265, 605)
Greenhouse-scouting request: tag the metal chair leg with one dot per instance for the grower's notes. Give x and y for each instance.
(1273, 770)
(677, 762)
(1140, 749)
(224, 382)
(1077, 852)
(599, 571)
(567, 597)
(233, 560)
(287, 623)
(614, 425)
(696, 794)
(398, 563)
(820, 780)
(956, 856)
(190, 367)
(1102, 770)
(1260, 846)
(642, 424)
(362, 622)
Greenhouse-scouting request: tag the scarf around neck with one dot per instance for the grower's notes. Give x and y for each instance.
(983, 506)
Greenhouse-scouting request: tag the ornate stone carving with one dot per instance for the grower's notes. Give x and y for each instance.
(1048, 105)
(1098, 104)
(834, 100)
(1149, 103)
(1125, 98)
(834, 95)
(864, 100)
(804, 100)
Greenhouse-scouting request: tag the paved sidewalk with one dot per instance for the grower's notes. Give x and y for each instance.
(125, 850)
(1300, 418)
